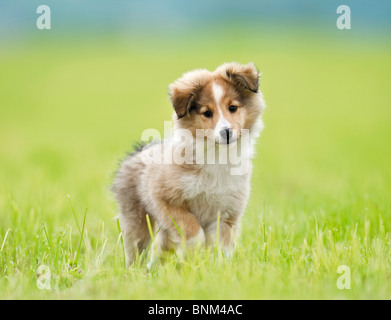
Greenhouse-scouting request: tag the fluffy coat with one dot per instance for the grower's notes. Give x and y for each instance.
(193, 193)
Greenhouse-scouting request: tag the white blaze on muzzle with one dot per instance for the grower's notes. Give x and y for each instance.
(223, 130)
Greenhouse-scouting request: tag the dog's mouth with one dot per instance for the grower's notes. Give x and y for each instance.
(226, 141)
(220, 140)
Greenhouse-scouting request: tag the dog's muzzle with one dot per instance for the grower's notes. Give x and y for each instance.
(226, 134)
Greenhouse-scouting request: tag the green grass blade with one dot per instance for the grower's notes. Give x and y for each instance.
(81, 237)
(5, 238)
(74, 213)
(176, 226)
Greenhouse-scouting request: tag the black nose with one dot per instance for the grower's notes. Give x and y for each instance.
(226, 133)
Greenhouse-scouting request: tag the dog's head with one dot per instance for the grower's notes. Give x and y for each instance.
(222, 102)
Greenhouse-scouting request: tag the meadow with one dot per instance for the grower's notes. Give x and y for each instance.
(70, 110)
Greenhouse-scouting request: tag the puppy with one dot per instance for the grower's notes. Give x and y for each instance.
(190, 184)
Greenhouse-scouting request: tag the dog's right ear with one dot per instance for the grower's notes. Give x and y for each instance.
(184, 91)
(181, 98)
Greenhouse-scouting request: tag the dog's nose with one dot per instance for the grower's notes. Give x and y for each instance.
(226, 133)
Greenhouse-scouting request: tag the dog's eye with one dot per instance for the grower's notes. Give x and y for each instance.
(208, 114)
(232, 109)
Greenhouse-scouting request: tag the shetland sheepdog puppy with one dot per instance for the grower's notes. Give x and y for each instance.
(190, 181)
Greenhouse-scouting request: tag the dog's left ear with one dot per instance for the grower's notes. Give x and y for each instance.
(184, 91)
(244, 77)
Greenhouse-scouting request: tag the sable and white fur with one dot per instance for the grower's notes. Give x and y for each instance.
(193, 194)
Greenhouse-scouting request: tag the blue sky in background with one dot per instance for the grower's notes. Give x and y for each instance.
(158, 17)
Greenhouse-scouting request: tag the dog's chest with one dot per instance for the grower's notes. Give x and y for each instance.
(214, 189)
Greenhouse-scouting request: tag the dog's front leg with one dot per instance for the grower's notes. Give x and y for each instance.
(178, 226)
(181, 225)
(227, 234)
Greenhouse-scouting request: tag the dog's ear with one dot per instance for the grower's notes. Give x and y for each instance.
(184, 91)
(181, 98)
(244, 77)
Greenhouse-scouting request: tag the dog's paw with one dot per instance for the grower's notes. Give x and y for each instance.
(228, 251)
(150, 264)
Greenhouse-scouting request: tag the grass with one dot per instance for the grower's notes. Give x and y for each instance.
(320, 189)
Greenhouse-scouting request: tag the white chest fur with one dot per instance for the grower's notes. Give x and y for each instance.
(213, 179)
(214, 189)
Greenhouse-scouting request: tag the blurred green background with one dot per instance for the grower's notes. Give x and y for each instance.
(74, 99)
